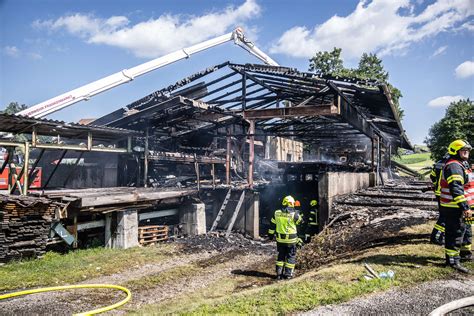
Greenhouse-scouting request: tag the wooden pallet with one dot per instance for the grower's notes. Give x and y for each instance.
(152, 234)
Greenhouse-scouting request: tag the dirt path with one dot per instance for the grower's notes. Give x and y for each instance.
(216, 260)
(418, 300)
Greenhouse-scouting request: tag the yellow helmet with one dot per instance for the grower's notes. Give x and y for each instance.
(313, 203)
(288, 201)
(457, 145)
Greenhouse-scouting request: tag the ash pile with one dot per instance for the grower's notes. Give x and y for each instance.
(368, 218)
(218, 241)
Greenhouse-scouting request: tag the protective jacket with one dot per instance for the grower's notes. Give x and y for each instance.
(457, 186)
(283, 225)
(436, 175)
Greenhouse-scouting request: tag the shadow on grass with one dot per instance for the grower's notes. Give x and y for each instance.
(253, 273)
(402, 260)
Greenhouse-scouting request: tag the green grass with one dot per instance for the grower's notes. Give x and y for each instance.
(413, 159)
(413, 263)
(79, 265)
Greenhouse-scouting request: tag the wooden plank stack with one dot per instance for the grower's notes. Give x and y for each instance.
(24, 226)
(152, 234)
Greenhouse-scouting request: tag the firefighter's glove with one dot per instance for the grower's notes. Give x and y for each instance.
(270, 237)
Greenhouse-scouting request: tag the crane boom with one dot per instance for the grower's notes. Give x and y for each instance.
(85, 92)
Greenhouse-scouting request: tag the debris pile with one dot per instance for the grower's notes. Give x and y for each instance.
(367, 218)
(25, 224)
(217, 241)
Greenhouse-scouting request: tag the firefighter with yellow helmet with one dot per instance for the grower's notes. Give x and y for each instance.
(457, 203)
(312, 225)
(284, 227)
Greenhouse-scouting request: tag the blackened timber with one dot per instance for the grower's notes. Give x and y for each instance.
(291, 112)
(352, 116)
(184, 158)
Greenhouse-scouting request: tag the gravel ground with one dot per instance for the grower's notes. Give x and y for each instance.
(418, 300)
(225, 256)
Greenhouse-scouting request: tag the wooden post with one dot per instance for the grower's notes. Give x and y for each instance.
(25, 169)
(196, 167)
(145, 160)
(251, 152)
(213, 171)
(74, 245)
(373, 154)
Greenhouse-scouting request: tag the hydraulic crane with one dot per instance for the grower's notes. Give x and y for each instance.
(87, 91)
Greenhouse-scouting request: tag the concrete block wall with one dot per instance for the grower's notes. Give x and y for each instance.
(332, 184)
(193, 219)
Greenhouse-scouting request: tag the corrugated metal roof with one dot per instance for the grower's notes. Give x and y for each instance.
(18, 124)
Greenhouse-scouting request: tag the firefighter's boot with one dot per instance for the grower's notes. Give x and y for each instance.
(279, 272)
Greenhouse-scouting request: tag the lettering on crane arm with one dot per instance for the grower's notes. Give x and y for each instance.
(55, 102)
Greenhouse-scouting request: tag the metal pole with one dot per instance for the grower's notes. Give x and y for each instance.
(251, 152)
(227, 159)
(372, 159)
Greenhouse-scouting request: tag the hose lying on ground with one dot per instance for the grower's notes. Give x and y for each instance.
(79, 286)
(451, 306)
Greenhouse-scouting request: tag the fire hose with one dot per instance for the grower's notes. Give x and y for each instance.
(451, 306)
(79, 286)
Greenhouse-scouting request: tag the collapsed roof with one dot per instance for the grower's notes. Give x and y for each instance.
(317, 110)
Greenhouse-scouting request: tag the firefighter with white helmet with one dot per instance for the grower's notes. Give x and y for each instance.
(284, 227)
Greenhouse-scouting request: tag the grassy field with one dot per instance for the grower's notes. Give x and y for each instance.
(418, 162)
(76, 266)
(413, 263)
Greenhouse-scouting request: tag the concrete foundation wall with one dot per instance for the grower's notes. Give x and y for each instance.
(126, 232)
(332, 184)
(192, 217)
(248, 218)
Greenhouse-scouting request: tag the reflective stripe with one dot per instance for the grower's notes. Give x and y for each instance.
(280, 263)
(313, 223)
(273, 221)
(451, 253)
(439, 227)
(271, 231)
(460, 198)
(455, 177)
(289, 265)
(466, 247)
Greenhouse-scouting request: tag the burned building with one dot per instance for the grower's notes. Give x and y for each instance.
(219, 149)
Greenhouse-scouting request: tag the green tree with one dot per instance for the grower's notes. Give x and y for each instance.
(14, 107)
(370, 68)
(457, 123)
(327, 63)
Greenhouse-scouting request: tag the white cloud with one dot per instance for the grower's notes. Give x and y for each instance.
(445, 100)
(11, 51)
(35, 56)
(154, 37)
(465, 70)
(379, 26)
(439, 51)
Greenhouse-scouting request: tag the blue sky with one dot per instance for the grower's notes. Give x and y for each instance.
(50, 47)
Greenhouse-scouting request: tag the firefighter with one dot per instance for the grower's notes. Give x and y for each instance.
(437, 234)
(312, 227)
(457, 203)
(284, 227)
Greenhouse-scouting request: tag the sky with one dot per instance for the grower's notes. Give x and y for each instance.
(49, 47)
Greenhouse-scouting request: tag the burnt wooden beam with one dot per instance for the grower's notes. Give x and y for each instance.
(329, 109)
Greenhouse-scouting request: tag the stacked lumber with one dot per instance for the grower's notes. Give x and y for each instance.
(24, 226)
(152, 234)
